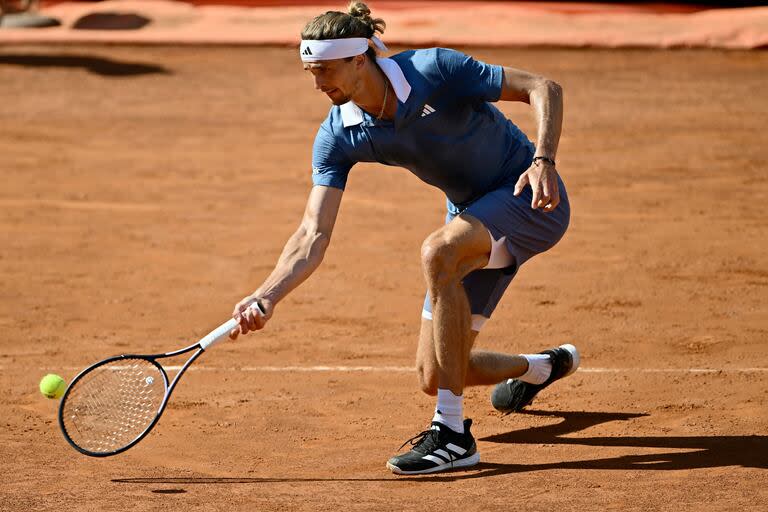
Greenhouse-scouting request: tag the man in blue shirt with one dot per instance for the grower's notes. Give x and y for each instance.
(430, 111)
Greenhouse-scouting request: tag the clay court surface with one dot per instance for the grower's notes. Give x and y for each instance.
(146, 190)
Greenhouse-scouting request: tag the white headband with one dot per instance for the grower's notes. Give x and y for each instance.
(314, 50)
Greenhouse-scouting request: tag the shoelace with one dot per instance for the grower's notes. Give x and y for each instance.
(420, 437)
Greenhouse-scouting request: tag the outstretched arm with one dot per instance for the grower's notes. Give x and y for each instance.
(301, 256)
(546, 98)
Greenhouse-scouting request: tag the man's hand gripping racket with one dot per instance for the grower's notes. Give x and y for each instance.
(113, 404)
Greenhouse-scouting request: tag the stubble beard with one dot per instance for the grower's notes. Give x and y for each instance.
(339, 102)
(346, 99)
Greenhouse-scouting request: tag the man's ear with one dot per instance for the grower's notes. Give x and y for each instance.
(359, 60)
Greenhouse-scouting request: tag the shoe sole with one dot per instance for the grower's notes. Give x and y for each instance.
(461, 463)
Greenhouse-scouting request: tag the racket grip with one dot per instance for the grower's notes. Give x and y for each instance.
(218, 334)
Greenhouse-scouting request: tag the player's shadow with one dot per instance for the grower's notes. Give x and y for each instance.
(691, 452)
(97, 65)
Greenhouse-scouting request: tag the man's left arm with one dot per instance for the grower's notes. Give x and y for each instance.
(546, 98)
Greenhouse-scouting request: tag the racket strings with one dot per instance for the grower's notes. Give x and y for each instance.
(113, 404)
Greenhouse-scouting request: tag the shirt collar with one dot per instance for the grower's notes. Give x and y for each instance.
(352, 115)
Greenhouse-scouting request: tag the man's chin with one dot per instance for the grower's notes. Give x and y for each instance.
(339, 101)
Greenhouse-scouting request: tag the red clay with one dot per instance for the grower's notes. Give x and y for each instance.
(498, 24)
(146, 190)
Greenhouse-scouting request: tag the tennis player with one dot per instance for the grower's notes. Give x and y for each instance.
(431, 112)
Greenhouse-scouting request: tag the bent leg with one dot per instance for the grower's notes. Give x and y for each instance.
(449, 254)
(493, 367)
(484, 367)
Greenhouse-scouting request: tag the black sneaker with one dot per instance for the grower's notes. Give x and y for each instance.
(437, 449)
(512, 395)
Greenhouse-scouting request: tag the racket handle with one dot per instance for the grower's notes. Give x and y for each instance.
(218, 334)
(222, 331)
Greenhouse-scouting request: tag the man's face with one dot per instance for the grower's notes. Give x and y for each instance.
(337, 78)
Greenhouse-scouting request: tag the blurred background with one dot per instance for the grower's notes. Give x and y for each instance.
(737, 24)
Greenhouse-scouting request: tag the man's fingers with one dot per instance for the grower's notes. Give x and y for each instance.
(521, 183)
(258, 317)
(553, 191)
(237, 316)
(547, 191)
(536, 195)
(553, 202)
(551, 205)
(249, 319)
(243, 321)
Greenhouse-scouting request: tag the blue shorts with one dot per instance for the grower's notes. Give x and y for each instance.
(528, 232)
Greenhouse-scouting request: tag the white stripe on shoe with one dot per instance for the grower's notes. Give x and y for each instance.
(436, 460)
(456, 449)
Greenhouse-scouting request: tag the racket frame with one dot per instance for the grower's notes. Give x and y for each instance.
(212, 338)
(169, 387)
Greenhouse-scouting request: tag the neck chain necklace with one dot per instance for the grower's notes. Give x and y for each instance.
(384, 104)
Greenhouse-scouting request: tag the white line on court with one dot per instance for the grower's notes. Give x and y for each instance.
(409, 369)
(672, 370)
(80, 205)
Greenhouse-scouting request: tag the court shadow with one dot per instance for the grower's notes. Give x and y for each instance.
(97, 65)
(690, 452)
(687, 452)
(710, 451)
(237, 480)
(111, 21)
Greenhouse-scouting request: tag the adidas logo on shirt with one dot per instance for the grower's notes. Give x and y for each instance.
(307, 51)
(427, 110)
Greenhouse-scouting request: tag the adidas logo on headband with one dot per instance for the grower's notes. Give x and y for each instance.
(307, 51)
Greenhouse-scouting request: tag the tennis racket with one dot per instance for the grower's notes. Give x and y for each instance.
(113, 404)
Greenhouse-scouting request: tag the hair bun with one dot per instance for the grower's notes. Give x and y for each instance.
(362, 12)
(359, 10)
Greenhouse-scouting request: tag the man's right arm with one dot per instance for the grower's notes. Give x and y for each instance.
(301, 256)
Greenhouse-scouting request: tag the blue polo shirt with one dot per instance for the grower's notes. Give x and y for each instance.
(445, 131)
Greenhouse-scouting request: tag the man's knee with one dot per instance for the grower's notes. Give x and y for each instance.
(438, 257)
(454, 250)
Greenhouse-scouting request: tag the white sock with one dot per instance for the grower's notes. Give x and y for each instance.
(450, 410)
(539, 368)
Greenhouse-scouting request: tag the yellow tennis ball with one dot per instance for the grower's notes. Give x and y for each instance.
(52, 386)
